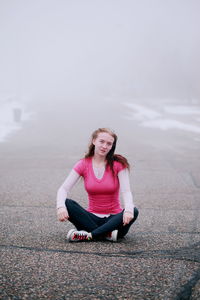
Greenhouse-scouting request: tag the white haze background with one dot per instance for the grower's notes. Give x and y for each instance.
(71, 66)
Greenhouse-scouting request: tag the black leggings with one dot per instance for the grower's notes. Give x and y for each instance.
(99, 227)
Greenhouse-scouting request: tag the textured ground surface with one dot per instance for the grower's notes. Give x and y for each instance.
(159, 258)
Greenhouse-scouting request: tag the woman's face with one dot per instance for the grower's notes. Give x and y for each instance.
(103, 143)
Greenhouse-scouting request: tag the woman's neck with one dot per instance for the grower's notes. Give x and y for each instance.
(98, 160)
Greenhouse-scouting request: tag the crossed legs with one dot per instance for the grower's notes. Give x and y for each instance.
(99, 227)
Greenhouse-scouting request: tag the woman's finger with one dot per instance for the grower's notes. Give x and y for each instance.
(127, 219)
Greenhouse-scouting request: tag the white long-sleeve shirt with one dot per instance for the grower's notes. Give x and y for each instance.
(73, 177)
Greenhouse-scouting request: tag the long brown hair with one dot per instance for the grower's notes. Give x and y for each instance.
(110, 157)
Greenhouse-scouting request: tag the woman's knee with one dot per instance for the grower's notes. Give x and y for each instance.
(69, 202)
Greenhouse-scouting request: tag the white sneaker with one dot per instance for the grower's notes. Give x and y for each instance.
(112, 236)
(77, 235)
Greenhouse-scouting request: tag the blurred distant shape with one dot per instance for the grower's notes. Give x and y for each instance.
(12, 115)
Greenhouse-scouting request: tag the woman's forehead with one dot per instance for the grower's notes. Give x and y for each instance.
(106, 136)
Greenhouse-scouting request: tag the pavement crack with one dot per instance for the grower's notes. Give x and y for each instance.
(186, 290)
(187, 253)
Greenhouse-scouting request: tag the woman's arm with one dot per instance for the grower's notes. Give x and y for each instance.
(127, 196)
(125, 190)
(62, 193)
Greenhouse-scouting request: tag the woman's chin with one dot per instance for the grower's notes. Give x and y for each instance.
(102, 153)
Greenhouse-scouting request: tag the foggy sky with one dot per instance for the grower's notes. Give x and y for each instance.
(85, 49)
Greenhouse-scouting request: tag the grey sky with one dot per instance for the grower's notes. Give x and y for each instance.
(80, 49)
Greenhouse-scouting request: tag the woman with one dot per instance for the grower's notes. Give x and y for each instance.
(104, 174)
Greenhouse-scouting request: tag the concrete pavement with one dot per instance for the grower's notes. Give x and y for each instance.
(159, 258)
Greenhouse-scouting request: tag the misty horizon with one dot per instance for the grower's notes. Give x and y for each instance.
(81, 50)
(75, 64)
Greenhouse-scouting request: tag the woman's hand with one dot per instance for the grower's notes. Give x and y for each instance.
(127, 217)
(62, 214)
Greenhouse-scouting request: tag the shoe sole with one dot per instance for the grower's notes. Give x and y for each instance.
(115, 234)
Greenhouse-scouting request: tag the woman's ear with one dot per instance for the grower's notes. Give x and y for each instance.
(93, 142)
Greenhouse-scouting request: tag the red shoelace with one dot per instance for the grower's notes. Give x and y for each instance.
(80, 236)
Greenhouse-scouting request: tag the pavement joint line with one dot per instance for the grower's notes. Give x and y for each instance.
(184, 254)
(186, 289)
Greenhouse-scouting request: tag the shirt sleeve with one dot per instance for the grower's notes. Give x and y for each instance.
(125, 190)
(79, 167)
(66, 187)
(118, 166)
